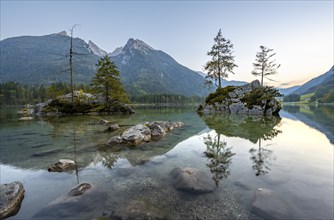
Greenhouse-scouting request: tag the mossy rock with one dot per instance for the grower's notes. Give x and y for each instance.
(219, 95)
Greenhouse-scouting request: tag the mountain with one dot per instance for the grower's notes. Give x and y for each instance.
(224, 81)
(146, 70)
(96, 50)
(326, 79)
(45, 59)
(286, 91)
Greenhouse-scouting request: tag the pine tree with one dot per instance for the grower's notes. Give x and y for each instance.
(107, 82)
(264, 66)
(222, 61)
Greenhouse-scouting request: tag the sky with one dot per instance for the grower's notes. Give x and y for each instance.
(299, 32)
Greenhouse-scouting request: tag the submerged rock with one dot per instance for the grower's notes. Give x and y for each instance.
(79, 190)
(192, 180)
(104, 122)
(140, 209)
(269, 205)
(144, 132)
(62, 165)
(112, 128)
(82, 202)
(11, 196)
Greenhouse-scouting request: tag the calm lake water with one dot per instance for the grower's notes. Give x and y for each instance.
(291, 155)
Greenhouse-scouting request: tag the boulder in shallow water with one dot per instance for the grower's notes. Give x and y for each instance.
(137, 134)
(269, 205)
(82, 202)
(80, 189)
(11, 196)
(62, 165)
(192, 180)
(112, 127)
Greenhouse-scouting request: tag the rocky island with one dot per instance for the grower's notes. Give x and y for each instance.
(84, 103)
(249, 99)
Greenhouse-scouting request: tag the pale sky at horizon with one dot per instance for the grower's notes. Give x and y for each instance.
(300, 32)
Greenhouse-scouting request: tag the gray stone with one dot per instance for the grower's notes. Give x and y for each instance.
(269, 205)
(80, 189)
(112, 128)
(240, 92)
(255, 84)
(137, 134)
(115, 140)
(11, 196)
(157, 130)
(236, 107)
(192, 180)
(232, 94)
(104, 122)
(256, 110)
(62, 165)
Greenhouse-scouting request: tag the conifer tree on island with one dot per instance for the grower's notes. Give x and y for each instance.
(222, 61)
(264, 64)
(107, 82)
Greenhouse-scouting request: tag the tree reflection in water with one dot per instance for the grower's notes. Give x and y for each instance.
(253, 128)
(260, 157)
(220, 157)
(109, 160)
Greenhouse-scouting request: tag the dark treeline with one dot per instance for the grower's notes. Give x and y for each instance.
(13, 93)
(166, 99)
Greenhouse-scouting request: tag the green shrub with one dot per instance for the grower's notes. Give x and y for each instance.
(219, 95)
(260, 96)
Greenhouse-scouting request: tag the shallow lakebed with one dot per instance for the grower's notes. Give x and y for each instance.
(291, 156)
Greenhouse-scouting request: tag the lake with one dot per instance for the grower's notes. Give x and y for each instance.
(291, 156)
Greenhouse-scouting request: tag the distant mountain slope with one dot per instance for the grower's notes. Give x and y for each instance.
(313, 84)
(224, 81)
(44, 59)
(286, 91)
(149, 71)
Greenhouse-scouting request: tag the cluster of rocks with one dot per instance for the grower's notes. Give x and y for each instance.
(233, 103)
(144, 132)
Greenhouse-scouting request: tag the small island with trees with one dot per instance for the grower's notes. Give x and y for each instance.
(252, 98)
(108, 95)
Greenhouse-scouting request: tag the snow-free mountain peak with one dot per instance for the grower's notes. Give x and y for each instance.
(137, 44)
(62, 33)
(117, 51)
(96, 50)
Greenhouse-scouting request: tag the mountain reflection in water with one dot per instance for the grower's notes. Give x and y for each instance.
(319, 117)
